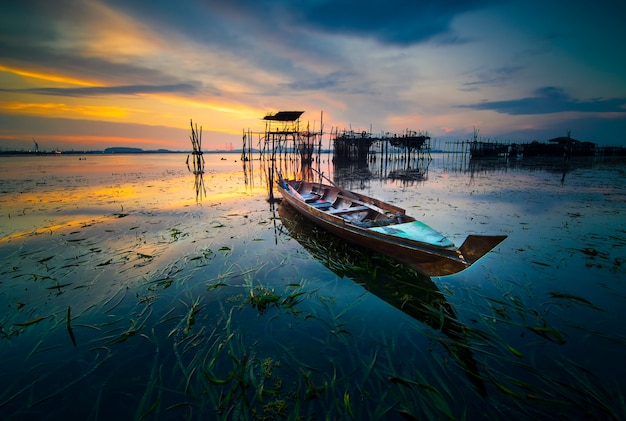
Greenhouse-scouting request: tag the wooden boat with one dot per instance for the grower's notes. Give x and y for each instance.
(384, 228)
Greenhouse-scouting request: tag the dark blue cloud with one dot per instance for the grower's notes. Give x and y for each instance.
(331, 81)
(398, 22)
(492, 77)
(549, 100)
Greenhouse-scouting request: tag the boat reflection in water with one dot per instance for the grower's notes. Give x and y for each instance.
(413, 293)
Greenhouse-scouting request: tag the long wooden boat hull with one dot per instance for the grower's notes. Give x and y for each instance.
(408, 240)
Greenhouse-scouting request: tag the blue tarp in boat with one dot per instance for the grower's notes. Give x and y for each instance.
(416, 230)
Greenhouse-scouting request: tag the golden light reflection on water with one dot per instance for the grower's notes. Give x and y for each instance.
(65, 197)
(116, 192)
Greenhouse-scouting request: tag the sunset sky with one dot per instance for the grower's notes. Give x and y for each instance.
(90, 74)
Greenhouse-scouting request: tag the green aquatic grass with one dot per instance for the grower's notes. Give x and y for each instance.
(207, 313)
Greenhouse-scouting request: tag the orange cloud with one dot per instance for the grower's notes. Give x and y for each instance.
(45, 76)
(235, 109)
(408, 120)
(65, 110)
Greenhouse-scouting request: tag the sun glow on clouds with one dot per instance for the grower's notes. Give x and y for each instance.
(102, 31)
(221, 116)
(66, 111)
(405, 120)
(45, 76)
(222, 107)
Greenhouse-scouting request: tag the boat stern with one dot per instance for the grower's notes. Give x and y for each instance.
(476, 246)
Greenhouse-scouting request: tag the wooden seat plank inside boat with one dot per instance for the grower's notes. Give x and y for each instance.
(321, 205)
(310, 197)
(339, 211)
(359, 202)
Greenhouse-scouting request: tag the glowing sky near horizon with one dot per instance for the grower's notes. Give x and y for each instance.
(90, 74)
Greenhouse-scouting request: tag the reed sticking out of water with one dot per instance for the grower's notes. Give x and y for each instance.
(68, 325)
(196, 144)
(198, 160)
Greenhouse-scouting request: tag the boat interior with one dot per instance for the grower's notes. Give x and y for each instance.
(334, 202)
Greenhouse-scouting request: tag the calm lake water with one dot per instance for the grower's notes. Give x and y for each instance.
(132, 289)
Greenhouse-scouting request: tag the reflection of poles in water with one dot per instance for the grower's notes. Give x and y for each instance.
(199, 186)
(198, 161)
(248, 172)
(246, 159)
(413, 293)
(246, 147)
(287, 163)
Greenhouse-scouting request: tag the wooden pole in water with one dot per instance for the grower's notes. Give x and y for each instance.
(243, 146)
